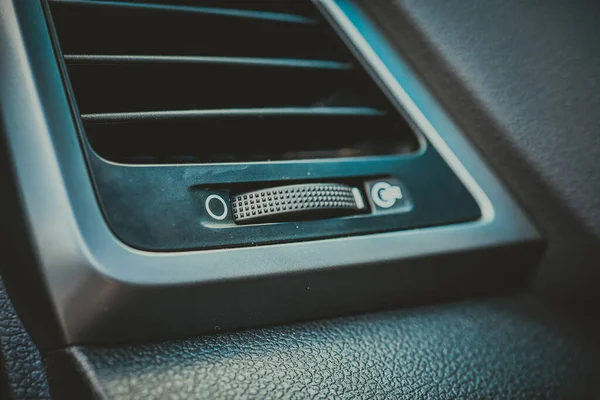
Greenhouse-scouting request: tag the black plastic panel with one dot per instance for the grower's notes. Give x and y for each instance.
(158, 207)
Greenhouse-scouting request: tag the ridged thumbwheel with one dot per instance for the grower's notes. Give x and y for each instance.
(296, 202)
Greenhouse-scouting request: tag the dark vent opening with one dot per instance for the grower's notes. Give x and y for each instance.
(218, 137)
(184, 83)
(215, 81)
(136, 28)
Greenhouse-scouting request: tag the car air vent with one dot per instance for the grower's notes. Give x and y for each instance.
(167, 82)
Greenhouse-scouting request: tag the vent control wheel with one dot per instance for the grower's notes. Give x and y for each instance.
(306, 200)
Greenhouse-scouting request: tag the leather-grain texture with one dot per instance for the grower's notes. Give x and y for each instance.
(509, 348)
(521, 80)
(23, 370)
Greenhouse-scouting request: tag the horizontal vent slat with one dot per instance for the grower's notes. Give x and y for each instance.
(295, 7)
(233, 113)
(230, 12)
(241, 61)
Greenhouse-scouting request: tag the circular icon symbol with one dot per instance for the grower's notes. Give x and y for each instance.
(211, 200)
(385, 195)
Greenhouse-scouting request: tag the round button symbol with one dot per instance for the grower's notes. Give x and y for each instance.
(215, 203)
(385, 195)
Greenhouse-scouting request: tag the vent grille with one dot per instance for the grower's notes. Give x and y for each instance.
(217, 81)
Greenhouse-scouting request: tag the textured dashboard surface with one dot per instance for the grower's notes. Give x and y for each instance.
(521, 79)
(23, 368)
(510, 348)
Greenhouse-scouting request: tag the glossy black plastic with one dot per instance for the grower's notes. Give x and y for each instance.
(158, 208)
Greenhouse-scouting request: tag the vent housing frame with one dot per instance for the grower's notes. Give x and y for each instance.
(157, 207)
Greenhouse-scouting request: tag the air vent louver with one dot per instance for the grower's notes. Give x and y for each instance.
(218, 81)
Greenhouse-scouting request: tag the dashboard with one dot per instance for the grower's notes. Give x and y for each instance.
(233, 196)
